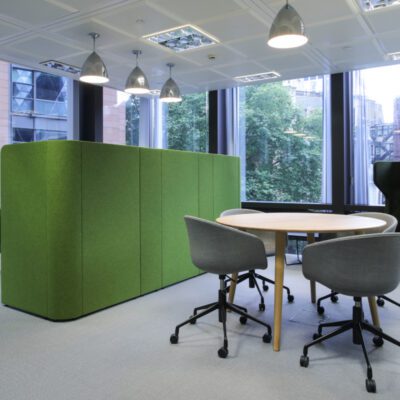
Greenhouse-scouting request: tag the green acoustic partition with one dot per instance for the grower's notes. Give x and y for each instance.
(110, 225)
(88, 225)
(180, 196)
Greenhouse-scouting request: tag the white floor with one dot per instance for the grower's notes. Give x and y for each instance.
(124, 352)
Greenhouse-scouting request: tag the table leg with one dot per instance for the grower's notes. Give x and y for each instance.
(313, 288)
(280, 245)
(232, 287)
(374, 311)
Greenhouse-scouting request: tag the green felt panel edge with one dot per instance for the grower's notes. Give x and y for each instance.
(111, 225)
(150, 220)
(64, 229)
(97, 224)
(180, 176)
(23, 227)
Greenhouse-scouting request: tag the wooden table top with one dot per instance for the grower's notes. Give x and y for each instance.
(302, 222)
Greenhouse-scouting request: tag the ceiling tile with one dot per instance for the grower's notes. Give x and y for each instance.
(200, 76)
(291, 61)
(149, 51)
(329, 34)
(32, 11)
(384, 20)
(198, 10)
(245, 68)
(390, 41)
(235, 26)
(150, 20)
(7, 29)
(80, 34)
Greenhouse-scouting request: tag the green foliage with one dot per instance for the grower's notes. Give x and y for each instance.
(280, 166)
(132, 120)
(187, 123)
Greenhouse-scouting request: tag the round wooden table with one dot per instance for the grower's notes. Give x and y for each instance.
(310, 223)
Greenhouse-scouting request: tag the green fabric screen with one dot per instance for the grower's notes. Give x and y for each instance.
(89, 225)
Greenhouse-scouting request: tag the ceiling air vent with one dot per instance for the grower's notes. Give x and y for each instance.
(262, 76)
(181, 38)
(60, 66)
(371, 5)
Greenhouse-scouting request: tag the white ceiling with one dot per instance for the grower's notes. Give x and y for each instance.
(341, 37)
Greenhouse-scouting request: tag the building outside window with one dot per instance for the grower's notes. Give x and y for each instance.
(375, 128)
(185, 124)
(285, 141)
(39, 106)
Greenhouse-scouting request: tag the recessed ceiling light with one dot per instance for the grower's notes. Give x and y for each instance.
(155, 92)
(394, 56)
(71, 69)
(262, 76)
(372, 5)
(181, 38)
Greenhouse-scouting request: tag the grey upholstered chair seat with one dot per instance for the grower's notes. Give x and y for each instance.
(372, 261)
(358, 266)
(222, 250)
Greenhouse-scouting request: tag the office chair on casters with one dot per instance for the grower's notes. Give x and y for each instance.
(391, 224)
(222, 250)
(357, 266)
(268, 239)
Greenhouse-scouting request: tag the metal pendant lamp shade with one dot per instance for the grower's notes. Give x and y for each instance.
(93, 69)
(137, 82)
(287, 30)
(170, 92)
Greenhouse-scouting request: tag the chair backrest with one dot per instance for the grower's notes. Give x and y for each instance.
(268, 238)
(364, 265)
(223, 250)
(391, 222)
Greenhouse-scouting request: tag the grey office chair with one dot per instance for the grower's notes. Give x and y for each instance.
(391, 224)
(357, 266)
(268, 239)
(222, 250)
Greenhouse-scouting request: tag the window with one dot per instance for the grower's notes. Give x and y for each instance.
(284, 142)
(121, 117)
(39, 105)
(375, 128)
(185, 124)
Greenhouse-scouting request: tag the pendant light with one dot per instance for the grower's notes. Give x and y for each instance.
(287, 30)
(137, 82)
(93, 69)
(170, 92)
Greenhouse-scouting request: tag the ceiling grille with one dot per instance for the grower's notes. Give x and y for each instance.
(371, 5)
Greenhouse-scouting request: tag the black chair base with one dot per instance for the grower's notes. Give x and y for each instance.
(332, 295)
(357, 325)
(252, 276)
(381, 301)
(222, 306)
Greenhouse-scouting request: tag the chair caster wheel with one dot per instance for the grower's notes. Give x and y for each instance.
(370, 385)
(320, 310)
(222, 352)
(194, 321)
(267, 338)
(316, 336)
(290, 298)
(243, 320)
(304, 361)
(261, 307)
(173, 339)
(265, 288)
(380, 302)
(334, 299)
(378, 341)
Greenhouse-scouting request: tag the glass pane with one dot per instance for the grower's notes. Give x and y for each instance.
(121, 115)
(51, 108)
(50, 135)
(375, 128)
(21, 75)
(23, 91)
(22, 106)
(50, 87)
(186, 123)
(21, 135)
(281, 125)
